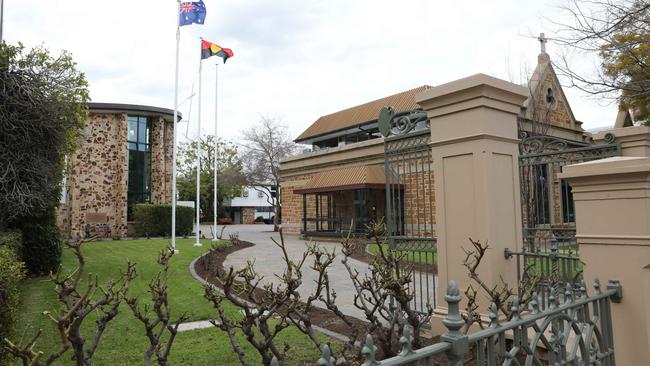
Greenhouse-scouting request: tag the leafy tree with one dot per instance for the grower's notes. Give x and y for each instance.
(229, 178)
(43, 106)
(619, 32)
(264, 145)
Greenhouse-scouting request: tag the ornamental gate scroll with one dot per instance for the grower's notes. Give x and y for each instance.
(410, 209)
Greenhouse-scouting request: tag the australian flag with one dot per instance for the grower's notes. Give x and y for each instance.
(192, 12)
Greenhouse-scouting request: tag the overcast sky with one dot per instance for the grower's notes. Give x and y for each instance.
(294, 60)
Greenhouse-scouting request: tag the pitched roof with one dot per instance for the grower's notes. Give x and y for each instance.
(362, 113)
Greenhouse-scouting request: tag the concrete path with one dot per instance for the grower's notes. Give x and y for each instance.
(268, 262)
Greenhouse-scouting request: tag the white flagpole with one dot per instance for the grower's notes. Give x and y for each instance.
(198, 166)
(216, 147)
(178, 39)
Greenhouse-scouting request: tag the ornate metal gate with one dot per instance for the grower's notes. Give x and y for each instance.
(410, 198)
(550, 250)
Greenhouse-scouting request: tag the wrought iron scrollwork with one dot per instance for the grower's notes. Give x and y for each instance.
(392, 123)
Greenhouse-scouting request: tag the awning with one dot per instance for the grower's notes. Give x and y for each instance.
(346, 179)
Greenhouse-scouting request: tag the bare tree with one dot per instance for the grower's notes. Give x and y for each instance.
(157, 319)
(76, 304)
(618, 31)
(263, 147)
(382, 295)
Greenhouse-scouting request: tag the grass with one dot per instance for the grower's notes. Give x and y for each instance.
(124, 341)
(411, 256)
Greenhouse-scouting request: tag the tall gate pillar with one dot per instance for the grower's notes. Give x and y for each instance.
(475, 153)
(612, 201)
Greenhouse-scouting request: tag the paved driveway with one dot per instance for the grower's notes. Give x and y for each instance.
(268, 262)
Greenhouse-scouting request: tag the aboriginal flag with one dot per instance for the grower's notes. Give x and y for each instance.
(209, 49)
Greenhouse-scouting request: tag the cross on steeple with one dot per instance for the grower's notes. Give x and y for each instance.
(542, 40)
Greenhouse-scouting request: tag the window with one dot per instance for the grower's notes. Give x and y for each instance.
(139, 189)
(245, 194)
(260, 194)
(542, 204)
(568, 209)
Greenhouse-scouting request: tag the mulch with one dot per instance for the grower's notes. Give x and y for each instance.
(210, 267)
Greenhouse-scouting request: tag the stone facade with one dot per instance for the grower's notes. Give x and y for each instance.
(96, 185)
(162, 139)
(97, 176)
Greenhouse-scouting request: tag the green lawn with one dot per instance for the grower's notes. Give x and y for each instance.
(124, 341)
(411, 256)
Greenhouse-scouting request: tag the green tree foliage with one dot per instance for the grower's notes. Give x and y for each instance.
(619, 32)
(229, 178)
(11, 273)
(630, 68)
(43, 106)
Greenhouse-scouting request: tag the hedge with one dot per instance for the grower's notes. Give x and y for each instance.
(42, 243)
(155, 220)
(14, 241)
(11, 273)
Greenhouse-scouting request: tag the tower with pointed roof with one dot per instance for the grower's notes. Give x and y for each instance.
(547, 110)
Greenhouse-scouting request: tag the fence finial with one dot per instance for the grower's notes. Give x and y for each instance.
(368, 351)
(514, 309)
(494, 316)
(406, 341)
(568, 293)
(453, 321)
(551, 299)
(597, 286)
(583, 289)
(326, 356)
(535, 302)
(274, 362)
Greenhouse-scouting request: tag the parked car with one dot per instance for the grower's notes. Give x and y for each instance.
(269, 221)
(224, 221)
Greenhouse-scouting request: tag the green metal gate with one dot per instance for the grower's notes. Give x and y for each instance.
(410, 214)
(550, 249)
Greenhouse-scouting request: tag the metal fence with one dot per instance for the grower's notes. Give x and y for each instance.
(410, 209)
(576, 329)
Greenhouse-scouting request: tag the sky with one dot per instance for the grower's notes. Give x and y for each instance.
(294, 60)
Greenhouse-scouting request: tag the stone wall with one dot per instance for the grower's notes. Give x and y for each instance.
(97, 177)
(558, 113)
(162, 138)
(97, 183)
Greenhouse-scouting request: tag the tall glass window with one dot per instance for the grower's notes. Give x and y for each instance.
(568, 208)
(139, 190)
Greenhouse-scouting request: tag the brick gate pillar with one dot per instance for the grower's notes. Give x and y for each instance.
(612, 202)
(475, 151)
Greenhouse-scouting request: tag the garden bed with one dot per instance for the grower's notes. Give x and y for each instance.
(210, 266)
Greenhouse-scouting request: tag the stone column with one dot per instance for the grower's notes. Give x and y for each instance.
(475, 153)
(612, 202)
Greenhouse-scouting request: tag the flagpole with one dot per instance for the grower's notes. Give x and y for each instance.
(198, 166)
(178, 39)
(216, 147)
